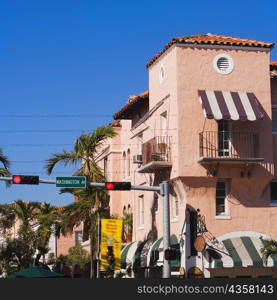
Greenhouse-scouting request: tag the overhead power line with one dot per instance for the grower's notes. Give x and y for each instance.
(54, 116)
(43, 130)
(59, 116)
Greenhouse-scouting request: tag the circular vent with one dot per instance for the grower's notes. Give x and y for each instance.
(223, 63)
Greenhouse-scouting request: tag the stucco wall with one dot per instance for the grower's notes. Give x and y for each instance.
(195, 72)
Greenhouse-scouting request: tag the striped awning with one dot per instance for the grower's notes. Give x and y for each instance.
(127, 255)
(158, 246)
(239, 252)
(132, 254)
(220, 105)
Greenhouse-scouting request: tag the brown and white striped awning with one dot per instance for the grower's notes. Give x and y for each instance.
(220, 105)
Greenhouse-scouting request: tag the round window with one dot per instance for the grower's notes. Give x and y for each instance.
(223, 63)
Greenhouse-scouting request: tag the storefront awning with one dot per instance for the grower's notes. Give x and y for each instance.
(222, 105)
(127, 255)
(238, 252)
(132, 255)
(153, 260)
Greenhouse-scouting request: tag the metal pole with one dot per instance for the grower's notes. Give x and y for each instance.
(163, 189)
(166, 227)
(98, 249)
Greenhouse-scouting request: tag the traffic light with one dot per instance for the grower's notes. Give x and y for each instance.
(170, 254)
(25, 179)
(118, 186)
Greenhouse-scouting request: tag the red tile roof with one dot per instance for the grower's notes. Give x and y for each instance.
(131, 101)
(211, 39)
(273, 64)
(115, 124)
(273, 69)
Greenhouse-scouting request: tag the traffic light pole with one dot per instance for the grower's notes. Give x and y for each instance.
(162, 189)
(166, 227)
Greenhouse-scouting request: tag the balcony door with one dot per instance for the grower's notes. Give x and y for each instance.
(224, 138)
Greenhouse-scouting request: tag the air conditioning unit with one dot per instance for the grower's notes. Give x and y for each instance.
(137, 159)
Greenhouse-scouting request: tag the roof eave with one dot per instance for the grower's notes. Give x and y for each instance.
(190, 43)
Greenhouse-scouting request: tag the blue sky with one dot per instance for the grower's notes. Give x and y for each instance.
(60, 60)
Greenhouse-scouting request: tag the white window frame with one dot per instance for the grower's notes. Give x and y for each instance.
(175, 206)
(274, 108)
(124, 164)
(274, 202)
(164, 128)
(128, 161)
(225, 150)
(77, 233)
(105, 162)
(224, 215)
(141, 211)
(162, 73)
(140, 143)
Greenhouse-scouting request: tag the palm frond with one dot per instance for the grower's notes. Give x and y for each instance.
(65, 158)
(5, 173)
(73, 215)
(4, 160)
(100, 134)
(269, 248)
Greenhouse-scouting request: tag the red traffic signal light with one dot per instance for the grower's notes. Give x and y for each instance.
(170, 254)
(117, 186)
(24, 179)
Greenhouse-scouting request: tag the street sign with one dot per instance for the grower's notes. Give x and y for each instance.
(71, 182)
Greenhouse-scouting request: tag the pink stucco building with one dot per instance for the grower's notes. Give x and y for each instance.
(207, 125)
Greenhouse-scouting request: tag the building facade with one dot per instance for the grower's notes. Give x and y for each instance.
(208, 126)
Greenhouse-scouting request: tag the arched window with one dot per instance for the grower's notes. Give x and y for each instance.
(124, 165)
(128, 163)
(129, 209)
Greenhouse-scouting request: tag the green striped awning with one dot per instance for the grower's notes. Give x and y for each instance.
(158, 245)
(126, 254)
(138, 254)
(241, 252)
(131, 255)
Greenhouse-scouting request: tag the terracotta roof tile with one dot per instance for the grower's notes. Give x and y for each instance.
(115, 123)
(211, 39)
(273, 65)
(273, 69)
(131, 101)
(273, 74)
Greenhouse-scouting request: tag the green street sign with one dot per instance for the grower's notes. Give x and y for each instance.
(71, 182)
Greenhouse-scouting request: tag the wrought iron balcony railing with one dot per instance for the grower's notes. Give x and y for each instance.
(228, 144)
(156, 149)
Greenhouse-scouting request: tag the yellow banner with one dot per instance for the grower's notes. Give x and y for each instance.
(110, 246)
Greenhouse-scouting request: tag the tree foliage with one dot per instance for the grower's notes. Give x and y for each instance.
(78, 256)
(269, 249)
(6, 163)
(18, 253)
(26, 249)
(92, 202)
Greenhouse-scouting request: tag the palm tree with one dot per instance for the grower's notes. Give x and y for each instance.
(269, 248)
(7, 218)
(19, 251)
(4, 160)
(47, 219)
(4, 171)
(26, 211)
(92, 202)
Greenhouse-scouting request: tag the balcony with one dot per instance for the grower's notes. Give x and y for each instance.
(156, 155)
(229, 147)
